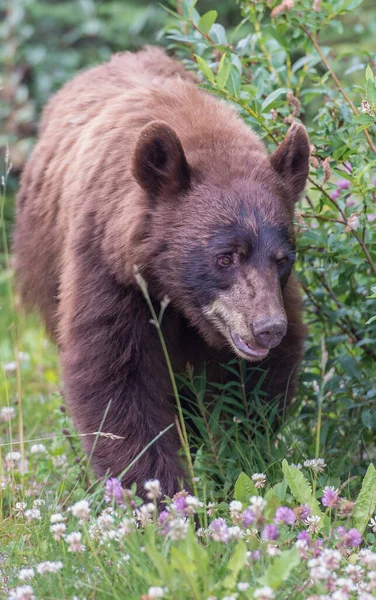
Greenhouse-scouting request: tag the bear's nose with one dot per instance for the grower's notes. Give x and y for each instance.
(268, 332)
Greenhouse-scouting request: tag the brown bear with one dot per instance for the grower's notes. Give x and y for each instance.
(135, 165)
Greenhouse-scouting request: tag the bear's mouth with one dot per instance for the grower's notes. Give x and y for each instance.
(247, 349)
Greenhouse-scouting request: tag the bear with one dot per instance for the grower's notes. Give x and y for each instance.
(136, 166)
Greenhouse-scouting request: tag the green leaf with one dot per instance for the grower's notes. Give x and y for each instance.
(365, 503)
(205, 68)
(300, 488)
(235, 565)
(244, 488)
(223, 72)
(272, 97)
(207, 20)
(281, 568)
(369, 74)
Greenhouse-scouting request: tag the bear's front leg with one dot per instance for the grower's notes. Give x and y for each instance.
(116, 382)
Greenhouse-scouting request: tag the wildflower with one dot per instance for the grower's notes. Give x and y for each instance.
(105, 521)
(273, 550)
(350, 202)
(27, 573)
(343, 184)
(20, 508)
(7, 413)
(81, 509)
(351, 538)
(367, 558)
(153, 487)
(58, 530)
(114, 491)
(330, 497)
(236, 508)
(49, 567)
(259, 479)
(219, 530)
(57, 518)
(185, 504)
(243, 586)
(302, 547)
(365, 107)
(346, 508)
(353, 223)
(284, 515)
(297, 466)
(355, 572)
(302, 512)
(335, 194)
(12, 458)
(314, 524)
(264, 593)
(177, 529)
(248, 517)
(236, 420)
(372, 524)
(317, 464)
(32, 514)
(257, 504)
(235, 533)
(59, 461)
(270, 532)
(304, 536)
(38, 449)
(74, 541)
(155, 592)
(24, 592)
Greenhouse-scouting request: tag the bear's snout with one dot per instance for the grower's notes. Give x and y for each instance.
(269, 331)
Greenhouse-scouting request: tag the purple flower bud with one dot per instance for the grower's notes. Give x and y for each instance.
(114, 491)
(343, 184)
(219, 530)
(284, 515)
(350, 202)
(352, 538)
(255, 556)
(304, 535)
(341, 530)
(270, 532)
(335, 194)
(248, 517)
(330, 497)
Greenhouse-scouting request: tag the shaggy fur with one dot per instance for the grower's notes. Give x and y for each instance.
(137, 166)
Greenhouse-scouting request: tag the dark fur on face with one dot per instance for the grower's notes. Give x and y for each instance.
(135, 165)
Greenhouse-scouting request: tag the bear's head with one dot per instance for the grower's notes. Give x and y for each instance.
(220, 232)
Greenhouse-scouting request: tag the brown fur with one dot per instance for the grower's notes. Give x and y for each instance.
(137, 166)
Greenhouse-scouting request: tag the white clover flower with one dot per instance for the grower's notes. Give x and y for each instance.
(155, 592)
(58, 530)
(273, 550)
(314, 523)
(367, 558)
(57, 518)
(372, 524)
(81, 509)
(243, 586)
(26, 573)
(330, 559)
(235, 533)
(38, 502)
(178, 529)
(153, 487)
(126, 526)
(259, 479)
(12, 457)
(264, 593)
(193, 501)
(235, 506)
(297, 466)
(317, 464)
(74, 541)
(105, 521)
(20, 508)
(38, 449)
(211, 508)
(365, 596)
(32, 514)
(355, 572)
(7, 413)
(49, 567)
(236, 420)
(257, 504)
(23, 592)
(59, 461)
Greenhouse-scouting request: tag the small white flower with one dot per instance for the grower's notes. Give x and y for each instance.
(298, 466)
(372, 524)
(7, 413)
(81, 509)
(264, 593)
(23, 592)
(38, 502)
(32, 514)
(20, 508)
(316, 388)
(243, 586)
(57, 518)
(153, 487)
(38, 449)
(235, 506)
(155, 592)
(317, 464)
(13, 457)
(257, 504)
(235, 533)
(59, 461)
(58, 530)
(259, 479)
(49, 567)
(314, 524)
(105, 521)
(74, 541)
(236, 420)
(178, 529)
(273, 550)
(25, 574)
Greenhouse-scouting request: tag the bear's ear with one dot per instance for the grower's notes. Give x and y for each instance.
(159, 164)
(291, 159)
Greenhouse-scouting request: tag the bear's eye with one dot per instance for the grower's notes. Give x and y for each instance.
(282, 261)
(225, 260)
